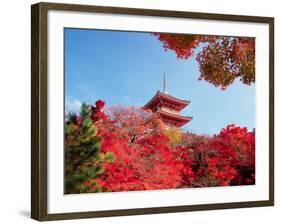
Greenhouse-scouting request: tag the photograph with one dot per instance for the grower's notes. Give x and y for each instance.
(157, 111)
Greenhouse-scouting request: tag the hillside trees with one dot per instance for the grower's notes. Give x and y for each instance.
(128, 148)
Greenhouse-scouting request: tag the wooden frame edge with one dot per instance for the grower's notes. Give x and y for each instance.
(157, 210)
(271, 110)
(34, 112)
(154, 12)
(39, 110)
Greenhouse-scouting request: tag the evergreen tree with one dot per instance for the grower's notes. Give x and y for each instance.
(83, 157)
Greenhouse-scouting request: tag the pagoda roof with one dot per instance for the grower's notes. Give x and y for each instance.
(174, 116)
(168, 98)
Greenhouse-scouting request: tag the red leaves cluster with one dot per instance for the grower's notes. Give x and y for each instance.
(123, 173)
(226, 159)
(222, 59)
(146, 157)
(143, 158)
(147, 164)
(183, 45)
(97, 111)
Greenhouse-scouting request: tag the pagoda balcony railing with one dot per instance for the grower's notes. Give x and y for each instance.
(166, 109)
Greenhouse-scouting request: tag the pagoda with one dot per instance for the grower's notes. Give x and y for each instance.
(168, 107)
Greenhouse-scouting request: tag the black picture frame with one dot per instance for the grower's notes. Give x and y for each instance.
(39, 110)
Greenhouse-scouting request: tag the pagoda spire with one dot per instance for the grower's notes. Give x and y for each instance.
(167, 107)
(164, 83)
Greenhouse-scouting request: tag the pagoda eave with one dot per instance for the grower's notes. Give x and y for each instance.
(167, 98)
(176, 120)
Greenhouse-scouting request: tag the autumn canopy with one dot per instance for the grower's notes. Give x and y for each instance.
(125, 149)
(221, 59)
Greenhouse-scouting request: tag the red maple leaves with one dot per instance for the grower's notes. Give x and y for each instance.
(97, 113)
(221, 59)
(138, 153)
(143, 159)
(227, 158)
(183, 45)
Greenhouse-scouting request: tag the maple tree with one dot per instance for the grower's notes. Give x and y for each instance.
(225, 159)
(144, 165)
(131, 123)
(145, 161)
(221, 59)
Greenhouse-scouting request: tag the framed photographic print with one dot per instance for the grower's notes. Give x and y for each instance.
(139, 111)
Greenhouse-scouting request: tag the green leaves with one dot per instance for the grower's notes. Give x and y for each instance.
(74, 180)
(86, 123)
(109, 156)
(91, 131)
(93, 172)
(85, 111)
(82, 153)
(69, 129)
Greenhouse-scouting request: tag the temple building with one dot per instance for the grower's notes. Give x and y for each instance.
(168, 107)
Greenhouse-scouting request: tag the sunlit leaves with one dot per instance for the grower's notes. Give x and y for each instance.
(227, 59)
(222, 59)
(183, 45)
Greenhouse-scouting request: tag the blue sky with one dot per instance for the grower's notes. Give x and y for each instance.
(126, 68)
